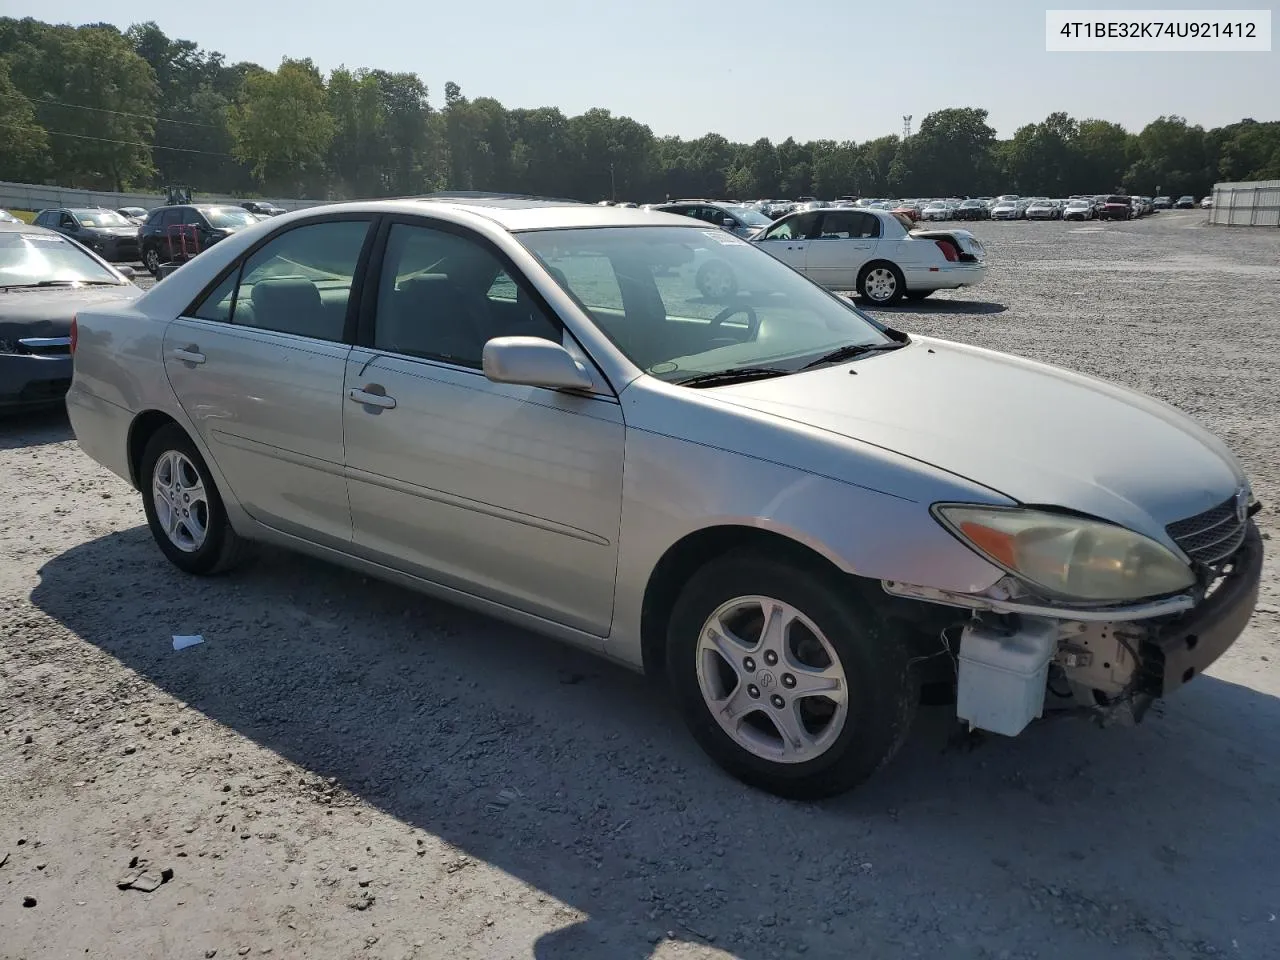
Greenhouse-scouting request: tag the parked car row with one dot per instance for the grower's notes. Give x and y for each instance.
(161, 235)
(1004, 207)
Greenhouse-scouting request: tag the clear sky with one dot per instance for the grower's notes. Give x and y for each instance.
(838, 69)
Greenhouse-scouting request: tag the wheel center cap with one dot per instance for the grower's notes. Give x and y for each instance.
(765, 680)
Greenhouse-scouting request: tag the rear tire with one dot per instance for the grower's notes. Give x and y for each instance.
(881, 283)
(917, 294)
(183, 507)
(831, 673)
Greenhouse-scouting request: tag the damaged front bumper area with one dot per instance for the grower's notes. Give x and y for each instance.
(1016, 659)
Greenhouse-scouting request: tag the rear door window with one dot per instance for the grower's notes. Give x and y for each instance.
(299, 282)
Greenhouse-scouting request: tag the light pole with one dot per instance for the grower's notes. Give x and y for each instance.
(613, 187)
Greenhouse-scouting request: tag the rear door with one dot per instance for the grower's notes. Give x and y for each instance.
(258, 366)
(788, 239)
(845, 240)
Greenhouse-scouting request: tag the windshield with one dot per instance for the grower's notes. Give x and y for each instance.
(100, 218)
(752, 218)
(228, 217)
(679, 302)
(31, 258)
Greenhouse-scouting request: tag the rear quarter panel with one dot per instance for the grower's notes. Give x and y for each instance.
(116, 374)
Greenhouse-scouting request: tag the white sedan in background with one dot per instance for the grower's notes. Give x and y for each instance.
(876, 253)
(1081, 208)
(1042, 209)
(938, 210)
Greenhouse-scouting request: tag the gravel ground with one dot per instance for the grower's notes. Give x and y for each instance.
(345, 769)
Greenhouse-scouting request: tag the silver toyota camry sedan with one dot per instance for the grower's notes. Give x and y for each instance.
(801, 519)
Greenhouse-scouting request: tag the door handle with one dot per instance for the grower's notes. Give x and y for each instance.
(189, 354)
(369, 399)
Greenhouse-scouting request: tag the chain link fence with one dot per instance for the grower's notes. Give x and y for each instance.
(1246, 204)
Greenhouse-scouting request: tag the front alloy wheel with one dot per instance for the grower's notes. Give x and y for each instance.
(151, 260)
(771, 679)
(786, 674)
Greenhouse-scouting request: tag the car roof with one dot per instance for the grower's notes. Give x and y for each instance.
(513, 213)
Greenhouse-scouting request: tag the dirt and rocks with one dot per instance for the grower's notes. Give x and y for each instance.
(345, 769)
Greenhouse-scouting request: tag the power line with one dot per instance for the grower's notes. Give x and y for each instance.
(118, 113)
(126, 143)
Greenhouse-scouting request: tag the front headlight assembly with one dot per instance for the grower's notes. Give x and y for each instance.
(1068, 557)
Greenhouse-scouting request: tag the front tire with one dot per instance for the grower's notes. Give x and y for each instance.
(881, 283)
(183, 507)
(785, 679)
(917, 294)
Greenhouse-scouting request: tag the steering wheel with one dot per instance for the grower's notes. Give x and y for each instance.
(753, 321)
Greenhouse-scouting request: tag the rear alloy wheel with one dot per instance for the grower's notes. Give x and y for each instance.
(881, 283)
(183, 508)
(784, 681)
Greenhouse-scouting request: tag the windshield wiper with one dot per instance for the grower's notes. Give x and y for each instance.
(732, 375)
(851, 351)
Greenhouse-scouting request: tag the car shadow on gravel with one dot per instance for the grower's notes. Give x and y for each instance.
(975, 307)
(34, 428)
(576, 777)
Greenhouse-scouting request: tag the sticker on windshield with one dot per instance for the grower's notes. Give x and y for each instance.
(43, 237)
(722, 236)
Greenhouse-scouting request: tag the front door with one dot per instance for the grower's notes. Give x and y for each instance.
(258, 366)
(843, 242)
(505, 492)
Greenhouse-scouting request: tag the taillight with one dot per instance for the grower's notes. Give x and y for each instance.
(948, 250)
(75, 334)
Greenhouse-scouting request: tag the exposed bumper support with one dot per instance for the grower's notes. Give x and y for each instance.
(970, 601)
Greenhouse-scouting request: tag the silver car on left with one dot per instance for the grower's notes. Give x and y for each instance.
(801, 518)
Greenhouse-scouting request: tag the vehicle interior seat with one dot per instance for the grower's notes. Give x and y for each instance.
(432, 315)
(292, 305)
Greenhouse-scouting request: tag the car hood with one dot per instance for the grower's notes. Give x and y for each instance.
(47, 311)
(1038, 434)
(125, 231)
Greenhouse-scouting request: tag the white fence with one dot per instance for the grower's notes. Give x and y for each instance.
(1246, 204)
(34, 196)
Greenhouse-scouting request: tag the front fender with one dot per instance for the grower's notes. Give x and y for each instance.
(674, 487)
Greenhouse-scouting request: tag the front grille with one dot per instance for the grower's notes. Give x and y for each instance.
(1212, 536)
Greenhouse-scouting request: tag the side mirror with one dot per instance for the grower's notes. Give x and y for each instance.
(533, 362)
(126, 271)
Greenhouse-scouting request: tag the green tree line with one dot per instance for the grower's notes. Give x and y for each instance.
(95, 107)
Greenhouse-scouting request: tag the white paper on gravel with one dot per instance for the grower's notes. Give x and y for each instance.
(181, 643)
